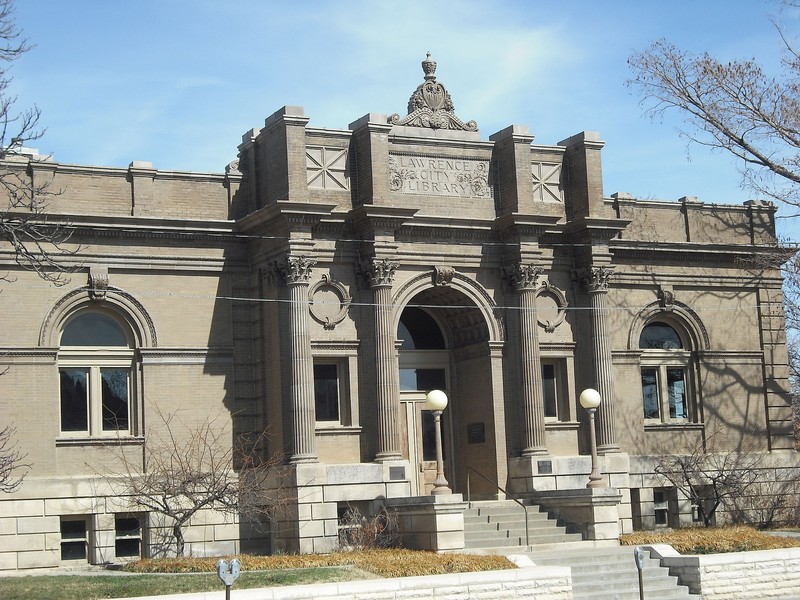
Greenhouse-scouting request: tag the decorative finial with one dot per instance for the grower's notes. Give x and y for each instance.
(429, 68)
(430, 105)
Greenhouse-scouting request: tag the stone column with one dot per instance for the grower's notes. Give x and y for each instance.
(380, 275)
(595, 280)
(296, 271)
(524, 278)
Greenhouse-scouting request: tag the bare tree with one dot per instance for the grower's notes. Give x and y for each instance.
(13, 467)
(37, 242)
(188, 468)
(733, 106)
(743, 483)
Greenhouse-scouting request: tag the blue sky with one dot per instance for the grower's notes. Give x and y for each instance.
(177, 82)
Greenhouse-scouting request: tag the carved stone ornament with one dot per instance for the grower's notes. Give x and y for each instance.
(295, 269)
(328, 302)
(379, 272)
(551, 306)
(430, 105)
(666, 298)
(595, 279)
(98, 283)
(522, 277)
(443, 275)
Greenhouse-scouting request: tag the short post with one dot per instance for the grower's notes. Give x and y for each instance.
(638, 556)
(228, 573)
(590, 400)
(436, 401)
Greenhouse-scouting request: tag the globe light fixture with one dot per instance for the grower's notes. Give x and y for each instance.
(436, 402)
(590, 400)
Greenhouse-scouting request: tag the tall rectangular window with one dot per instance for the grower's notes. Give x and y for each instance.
(676, 391)
(550, 390)
(326, 392)
(115, 398)
(74, 399)
(650, 393)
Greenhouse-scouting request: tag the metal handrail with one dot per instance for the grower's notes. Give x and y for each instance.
(497, 486)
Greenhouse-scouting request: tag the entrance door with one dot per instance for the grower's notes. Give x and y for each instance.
(420, 422)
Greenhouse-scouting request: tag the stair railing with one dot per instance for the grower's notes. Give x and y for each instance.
(499, 489)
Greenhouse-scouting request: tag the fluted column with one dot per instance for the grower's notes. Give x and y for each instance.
(296, 272)
(595, 280)
(380, 276)
(524, 278)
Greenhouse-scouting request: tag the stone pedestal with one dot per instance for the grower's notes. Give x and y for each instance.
(595, 511)
(431, 522)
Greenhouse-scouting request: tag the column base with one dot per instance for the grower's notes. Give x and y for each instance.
(608, 449)
(303, 458)
(383, 457)
(535, 451)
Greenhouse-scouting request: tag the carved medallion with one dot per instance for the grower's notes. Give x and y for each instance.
(443, 275)
(328, 302)
(551, 306)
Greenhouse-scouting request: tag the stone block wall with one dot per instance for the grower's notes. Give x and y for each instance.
(735, 576)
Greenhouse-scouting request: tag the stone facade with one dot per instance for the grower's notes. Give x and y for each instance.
(327, 279)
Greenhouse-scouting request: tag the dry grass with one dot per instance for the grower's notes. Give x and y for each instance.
(711, 540)
(384, 563)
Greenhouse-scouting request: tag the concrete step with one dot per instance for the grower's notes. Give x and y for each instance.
(609, 573)
(501, 524)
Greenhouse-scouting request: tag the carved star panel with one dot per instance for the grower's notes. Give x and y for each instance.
(327, 168)
(547, 182)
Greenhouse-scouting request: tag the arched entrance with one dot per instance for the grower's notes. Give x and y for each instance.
(444, 343)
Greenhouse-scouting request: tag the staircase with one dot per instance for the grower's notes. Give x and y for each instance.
(609, 573)
(499, 525)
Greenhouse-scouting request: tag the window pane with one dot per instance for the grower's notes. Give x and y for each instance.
(549, 390)
(73, 540)
(74, 405)
(659, 336)
(326, 392)
(115, 399)
(650, 394)
(676, 388)
(419, 331)
(93, 329)
(423, 380)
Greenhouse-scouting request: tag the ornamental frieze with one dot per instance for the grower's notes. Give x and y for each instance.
(439, 176)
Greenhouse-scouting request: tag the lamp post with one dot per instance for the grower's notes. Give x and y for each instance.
(590, 400)
(436, 402)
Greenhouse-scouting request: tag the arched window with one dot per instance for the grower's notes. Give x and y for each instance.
(666, 374)
(419, 331)
(95, 365)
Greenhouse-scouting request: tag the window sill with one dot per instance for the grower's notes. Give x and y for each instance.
(562, 425)
(673, 426)
(127, 440)
(335, 428)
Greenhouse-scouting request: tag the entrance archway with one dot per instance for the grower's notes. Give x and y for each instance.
(444, 343)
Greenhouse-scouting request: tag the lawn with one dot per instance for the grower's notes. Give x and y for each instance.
(175, 576)
(711, 540)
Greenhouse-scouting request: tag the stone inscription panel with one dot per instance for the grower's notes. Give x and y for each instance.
(439, 176)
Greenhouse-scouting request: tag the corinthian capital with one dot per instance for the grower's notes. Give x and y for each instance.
(379, 271)
(295, 269)
(522, 277)
(595, 279)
